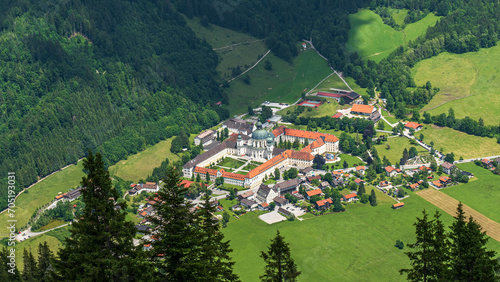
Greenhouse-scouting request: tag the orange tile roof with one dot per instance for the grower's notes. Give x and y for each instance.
(321, 203)
(313, 192)
(310, 134)
(398, 205)
(204, 170)
(186, 183)
(444, 178)
(358, 108)
(413, 125)
(361, 167)
(265, 166)
(318, 143)
(278, 131)
(414, 186)
(237, 176)
(300, 155)
(437, 183)
(307, 149)
(338, 172)
(357, 180)
(352, 195)
(59, 197)
(264, 204)
(389, 169)
(346, 175)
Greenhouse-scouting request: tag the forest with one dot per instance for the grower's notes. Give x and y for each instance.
(110, 76)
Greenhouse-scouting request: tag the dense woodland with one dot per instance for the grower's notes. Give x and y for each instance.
(112, 76)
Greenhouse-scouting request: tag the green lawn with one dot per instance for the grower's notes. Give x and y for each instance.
(389, 118)
(414, 30)
(42, 193)
(327, 109)
(398, 15)
(461, 144)
(370, 37)
(481, 193)
(53, 223)
(460, 75)
(351, 160)
(357, 245)
(397, 146)
(284, 83)
(231, 163)
(141, 165)
(334, 82)
(374, 40)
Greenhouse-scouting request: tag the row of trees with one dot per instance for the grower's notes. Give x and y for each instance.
(188, 244)
(457, 255)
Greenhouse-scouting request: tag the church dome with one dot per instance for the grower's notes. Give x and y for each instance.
(259, 133)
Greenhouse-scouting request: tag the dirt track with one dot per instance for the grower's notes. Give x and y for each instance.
(449, 205)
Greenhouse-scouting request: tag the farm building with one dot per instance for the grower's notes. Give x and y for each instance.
(398, 205)
(413, 125)
(359, 109)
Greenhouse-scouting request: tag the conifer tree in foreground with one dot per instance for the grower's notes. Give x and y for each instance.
(29, 270)
(469, 259)
(279, 264)
(100, 247)
(175, 252)
(430, 255)
(45, 270)
(214, 253)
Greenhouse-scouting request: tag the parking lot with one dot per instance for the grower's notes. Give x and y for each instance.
(295, 210)
(272, 217)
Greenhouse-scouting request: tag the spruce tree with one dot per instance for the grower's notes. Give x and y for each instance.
(176, 231)
(361, 189)
(279, 264)
(100, 247)
(428, 260)
(29, 270)
(214, 253)
(45, 268)
(373, 198)
(8, 273)
(470, 261)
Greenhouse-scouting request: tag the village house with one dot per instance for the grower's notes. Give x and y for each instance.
(266, 194)
(280, 200)
(263, 206)
(488, 163)
(438, 184)
(297, 195)
(445, 180)
(311, 178)
(413, 186)
(390, 171)
(248, 203)
(358, 181)
(384, 184)
(349, 198)
(338, 181)
(324, 204)
(288, 186)
(306, 171)
(365, 110)
(313, 193)
(447, 167)
(247, 195)
(413, 125)
(142, 229)
(324, 185)
(375, 117)
(361, 170)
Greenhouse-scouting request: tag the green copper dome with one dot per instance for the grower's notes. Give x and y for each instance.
(259, 133)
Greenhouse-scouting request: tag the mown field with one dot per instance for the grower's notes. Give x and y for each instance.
(42, 193)
(233, 48)
(284, 83)
(461, 144)
(398, 15)
(481, 193)
(374, 40)
(141, 165)
(396, 148)
(357, 245)
(461, 75)
(327, 109)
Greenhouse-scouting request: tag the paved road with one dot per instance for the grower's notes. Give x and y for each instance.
(27, 234)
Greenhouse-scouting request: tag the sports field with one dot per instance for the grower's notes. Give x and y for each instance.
(42, 193)
(449, 205)
(482, 193)
(461, 144)
(141, 165)
(468, 83)
(285, 83)
(357, 245)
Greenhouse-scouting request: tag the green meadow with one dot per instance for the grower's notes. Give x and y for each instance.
(481, 193)
(42, 193)
(374, 40)
(141, 165)
(468, 83)
(356, 245)
(398, 15)
(396, 147)
(461, 144)
(284, 83)
(327, 109)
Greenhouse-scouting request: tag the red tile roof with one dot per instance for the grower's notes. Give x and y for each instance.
(231, 175)
(389, 169)
(337, 115)
(203, 170)
(318, 143)
(437, 183)
(313, 192)
(444, 178)
(311, 178)
(358, 108)
(309, 134)
(321, 203)
(278, 131)
(414, 186)
(186, 183)
(413, 125)
(398, 205)
(352, 195)
(264, 204)
(357, 180)
(361, 167)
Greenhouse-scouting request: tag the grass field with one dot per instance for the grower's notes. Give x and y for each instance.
(389, 118)
(374, 40)
(42, 193)
(333, 81)
(357, 244)
(461, 144)
(481, 193)
(327, 109)
(414, 30)
(140, 165)
(230, 162)
(351, 160)
(370, 37)
(398, 15)
(458, 76)
(284, 83)
(397, 146)
(53, 223)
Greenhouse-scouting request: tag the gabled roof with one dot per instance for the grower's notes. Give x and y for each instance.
(447, 165)
(413, 125)
(310, 134)
(358, 108)
(313, 192)
(352, 195)
(397, 205)
(278, 131)
(204, 170)
(337, 115)
(444, 178)
(389, 169)
(231, 175)
(357, 180)
(437, 183)
(247, 194)
(318, 143)
(361, 167)
(414, 186)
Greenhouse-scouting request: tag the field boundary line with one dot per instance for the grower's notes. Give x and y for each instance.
(449, 205)
(250, 67)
